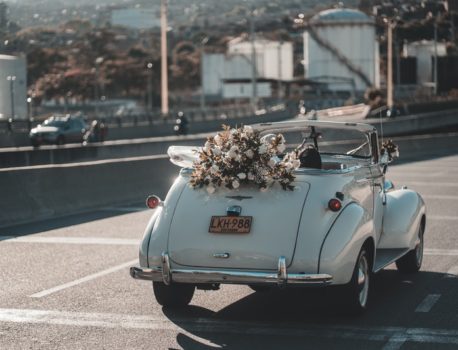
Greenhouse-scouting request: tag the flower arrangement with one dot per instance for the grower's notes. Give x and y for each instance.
(240, 155)
(391, 149)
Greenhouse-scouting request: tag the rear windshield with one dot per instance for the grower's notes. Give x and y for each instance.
(330, 141)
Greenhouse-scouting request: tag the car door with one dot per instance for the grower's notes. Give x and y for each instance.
(377, 183)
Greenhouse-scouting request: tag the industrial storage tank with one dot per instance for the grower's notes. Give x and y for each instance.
(13, 87)
(340, 48)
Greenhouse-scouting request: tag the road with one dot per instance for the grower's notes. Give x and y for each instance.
(65, 285)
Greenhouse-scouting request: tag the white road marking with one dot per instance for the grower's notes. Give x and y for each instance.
(210, 325)
(442, 217)
(444, 252)
(125, 209)
(70, 240)
(439, 196)
(452, 272)
(428, 183)
(427, 304)
(83, 280)
(395, 342)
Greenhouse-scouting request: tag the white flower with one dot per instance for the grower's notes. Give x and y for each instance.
(263, 189)
(248, 130)
(214, 169)
(262, 149)
(216, 151)
(281, 147)
(218, 140)
(235, 184)
(296, 163)
(234, 148)
(272, 162)
(238, 157)
(210, 189)
(241, 176)
(231, 154)
(250, 176)
(249, 153)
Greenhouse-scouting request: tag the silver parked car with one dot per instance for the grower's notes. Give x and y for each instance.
(59, 130)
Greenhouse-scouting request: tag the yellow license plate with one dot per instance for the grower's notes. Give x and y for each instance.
(230, 224)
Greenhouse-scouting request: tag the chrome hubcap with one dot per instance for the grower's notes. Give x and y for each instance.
(363, 280)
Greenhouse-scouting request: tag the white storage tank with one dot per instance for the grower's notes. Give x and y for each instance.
(341, 48)
(13, 87)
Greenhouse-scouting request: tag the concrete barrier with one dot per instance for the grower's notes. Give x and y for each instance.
(47, 191)
(34, 193)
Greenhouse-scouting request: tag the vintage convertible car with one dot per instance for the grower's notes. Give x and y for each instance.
(342, 222)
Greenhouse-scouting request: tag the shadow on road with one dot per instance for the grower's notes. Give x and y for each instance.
(66, 221)
(393, 301)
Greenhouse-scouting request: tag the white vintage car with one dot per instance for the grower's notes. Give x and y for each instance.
(342, 222)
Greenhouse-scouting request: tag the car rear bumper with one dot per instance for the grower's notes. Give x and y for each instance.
(166, 274)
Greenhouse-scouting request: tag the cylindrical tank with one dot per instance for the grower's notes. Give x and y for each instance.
(13, 87)
(340, 47)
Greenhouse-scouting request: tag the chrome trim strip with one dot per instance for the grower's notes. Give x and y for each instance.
(166, 275)
(281, 277)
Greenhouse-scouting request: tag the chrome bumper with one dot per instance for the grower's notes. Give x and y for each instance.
(281, 277)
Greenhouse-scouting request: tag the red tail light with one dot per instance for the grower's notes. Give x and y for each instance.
(153, 202)
(334, 204)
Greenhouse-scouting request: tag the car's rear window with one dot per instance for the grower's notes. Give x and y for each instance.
(330, 140)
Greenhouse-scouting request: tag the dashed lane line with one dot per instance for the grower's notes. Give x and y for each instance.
(427, 304)
(443, 252)
(136, 242)
(200, 326)
(439, 196)
(83, 280)
(69, 240)
(442, 217)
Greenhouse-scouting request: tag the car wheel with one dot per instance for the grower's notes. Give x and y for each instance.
(174, 295)
(357, 291)
(60, 140)
(411, 262)
(259, 288)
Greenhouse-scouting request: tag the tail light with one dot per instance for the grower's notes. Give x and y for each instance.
(153, 202)
(334, 204)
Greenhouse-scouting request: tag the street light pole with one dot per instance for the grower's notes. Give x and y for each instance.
(254, 90)
(389, 76)
(149, 66)
(164, 75)
(11, 79)
(202, 88)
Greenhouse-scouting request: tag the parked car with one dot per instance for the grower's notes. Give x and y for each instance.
(342, 222)
(59, 130)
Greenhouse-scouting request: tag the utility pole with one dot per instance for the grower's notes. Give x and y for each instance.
(389, 70)
(254, 89)
(280, 64)
(435, 57)
(164, 75)
(11, 79)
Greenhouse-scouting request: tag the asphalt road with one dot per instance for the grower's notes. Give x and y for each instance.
(65, 285)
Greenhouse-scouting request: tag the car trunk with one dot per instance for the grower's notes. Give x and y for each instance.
(274, 227)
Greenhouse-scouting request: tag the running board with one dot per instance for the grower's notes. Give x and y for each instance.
(385, 257)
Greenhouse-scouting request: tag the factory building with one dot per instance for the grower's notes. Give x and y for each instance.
(228, 75)
(13, 87)
(341, 49)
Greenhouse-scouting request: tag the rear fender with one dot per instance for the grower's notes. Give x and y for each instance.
(343, 243)
(404, 210)
(155, 239)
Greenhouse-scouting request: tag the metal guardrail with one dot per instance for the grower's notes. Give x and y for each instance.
(210, 114)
